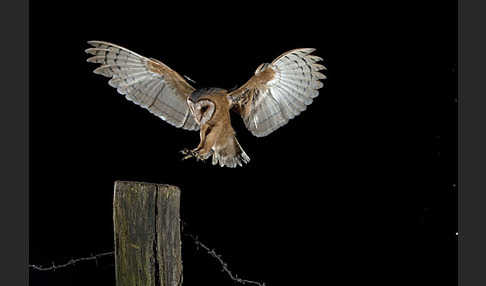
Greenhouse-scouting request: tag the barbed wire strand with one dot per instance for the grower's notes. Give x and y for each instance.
(224, 265)
(53, 267)
(196, 241)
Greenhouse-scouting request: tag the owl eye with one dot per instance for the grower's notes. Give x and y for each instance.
(204, 108)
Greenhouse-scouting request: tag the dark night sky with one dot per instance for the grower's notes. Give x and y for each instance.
(358, 188)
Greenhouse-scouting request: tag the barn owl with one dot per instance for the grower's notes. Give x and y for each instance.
(276, 93)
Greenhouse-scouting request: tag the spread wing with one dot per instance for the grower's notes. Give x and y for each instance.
(278, 91)
(147, 82)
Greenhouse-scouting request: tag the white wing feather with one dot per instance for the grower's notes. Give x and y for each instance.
(160, 90)
(294, 85)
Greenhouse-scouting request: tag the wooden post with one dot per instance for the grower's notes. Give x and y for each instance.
(147, 234)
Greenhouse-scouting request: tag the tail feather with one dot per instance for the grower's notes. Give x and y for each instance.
(230, 155)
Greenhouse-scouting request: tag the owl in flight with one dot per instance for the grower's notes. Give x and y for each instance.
(277, 92)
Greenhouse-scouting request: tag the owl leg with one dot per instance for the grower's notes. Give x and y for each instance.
(200, 152)
(203, 153)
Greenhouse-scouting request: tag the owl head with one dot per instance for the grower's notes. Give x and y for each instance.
(202, 105)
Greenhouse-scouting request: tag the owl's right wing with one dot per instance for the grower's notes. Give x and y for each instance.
(278, 91)
(147, 82)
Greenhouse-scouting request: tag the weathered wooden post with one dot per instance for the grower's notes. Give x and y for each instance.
(147, 234)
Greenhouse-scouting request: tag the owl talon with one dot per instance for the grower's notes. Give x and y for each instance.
(187, 157)
(193, 154)
(188, 153)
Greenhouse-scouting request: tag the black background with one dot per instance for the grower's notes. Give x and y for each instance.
(360, 188)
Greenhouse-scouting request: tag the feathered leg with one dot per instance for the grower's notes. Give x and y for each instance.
(202, 151)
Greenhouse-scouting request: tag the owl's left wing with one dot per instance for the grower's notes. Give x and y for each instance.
(147, 82)
(278, 91)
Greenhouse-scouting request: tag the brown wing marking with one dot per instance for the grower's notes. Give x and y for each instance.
(173, 78)
(242, 97)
